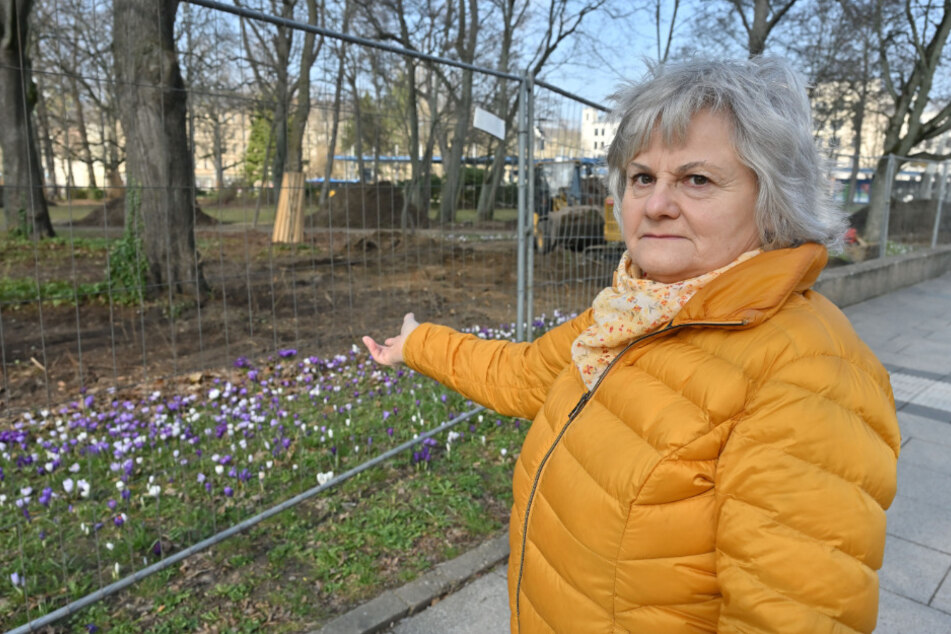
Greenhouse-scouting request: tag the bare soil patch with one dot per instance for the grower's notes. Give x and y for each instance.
(320, 296)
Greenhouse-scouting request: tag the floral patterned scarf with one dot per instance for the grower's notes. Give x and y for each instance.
(630, 308)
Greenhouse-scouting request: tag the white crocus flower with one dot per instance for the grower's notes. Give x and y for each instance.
(68, 485)
(324, 478)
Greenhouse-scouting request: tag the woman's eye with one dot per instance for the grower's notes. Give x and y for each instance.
(698, 180)
(641, 179)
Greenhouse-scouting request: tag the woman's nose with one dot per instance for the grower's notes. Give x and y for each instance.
(662, 201)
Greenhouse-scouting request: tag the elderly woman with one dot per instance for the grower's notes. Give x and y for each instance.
(713, 447)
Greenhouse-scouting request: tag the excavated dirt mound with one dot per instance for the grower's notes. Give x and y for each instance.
(377, 206)
(111, 213)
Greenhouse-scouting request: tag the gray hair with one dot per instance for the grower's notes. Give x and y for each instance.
(772, 135)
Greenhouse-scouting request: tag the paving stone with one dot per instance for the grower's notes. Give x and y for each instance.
(928, 455)
(936, 395)
(920, 522)
(924, 484)
(942, 599)
(898, 615)
(925, 429)
(913, 571)
(481, 607)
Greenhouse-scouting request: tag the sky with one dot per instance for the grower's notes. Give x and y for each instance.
(615, 50)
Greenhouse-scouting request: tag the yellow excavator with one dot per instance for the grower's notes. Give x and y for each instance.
(572, 208)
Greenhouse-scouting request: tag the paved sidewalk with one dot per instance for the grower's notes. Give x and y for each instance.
(910, 330)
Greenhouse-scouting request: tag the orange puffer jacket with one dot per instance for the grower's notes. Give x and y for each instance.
(730, 473)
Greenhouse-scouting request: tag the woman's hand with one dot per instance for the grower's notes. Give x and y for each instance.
(391, 352)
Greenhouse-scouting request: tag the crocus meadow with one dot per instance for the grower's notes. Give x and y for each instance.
(103, 485)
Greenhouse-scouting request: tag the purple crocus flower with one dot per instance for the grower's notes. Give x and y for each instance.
(229, 492)
(288, 352)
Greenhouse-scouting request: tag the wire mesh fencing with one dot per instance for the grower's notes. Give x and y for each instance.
(576, 244)
(170, 369)
(896, 205)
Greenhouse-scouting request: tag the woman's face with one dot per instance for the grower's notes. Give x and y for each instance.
(689, 209)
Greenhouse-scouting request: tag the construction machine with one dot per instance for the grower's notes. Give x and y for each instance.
(568, 206)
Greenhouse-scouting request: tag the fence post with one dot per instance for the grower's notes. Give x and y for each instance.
(937, 216)
(530, 242)
(522, 206)
(886, 211)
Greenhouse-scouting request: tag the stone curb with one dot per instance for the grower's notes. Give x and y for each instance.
(393, 605)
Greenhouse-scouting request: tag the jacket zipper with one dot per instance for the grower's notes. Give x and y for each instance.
(576, 410)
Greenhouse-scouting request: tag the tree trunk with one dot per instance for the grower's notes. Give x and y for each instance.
(158, 162)
(297, 124)
(114, 185)
(358, 125)
(490, 188)
(452, 165)
(264, 169)
(858, 125)
(49, 155)
(877, 201)
(24, 203)
(334, 129)
(465, 48)
(83, 137)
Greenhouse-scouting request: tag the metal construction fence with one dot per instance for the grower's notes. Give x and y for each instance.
(915, 214)
(146, 416)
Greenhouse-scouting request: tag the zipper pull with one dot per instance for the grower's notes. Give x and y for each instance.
(580, 405)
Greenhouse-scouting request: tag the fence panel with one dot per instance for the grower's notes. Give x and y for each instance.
(136, 420)
(913, 197)
(576, 245)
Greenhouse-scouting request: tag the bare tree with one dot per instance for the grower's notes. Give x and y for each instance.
(24, 203)
(732, 26)
(337, 100)
(161, 176)
(414, 29)
(269, 51)
(215, 93)
(77, 43)
(563, 23)
(759, 20)
(911, 41)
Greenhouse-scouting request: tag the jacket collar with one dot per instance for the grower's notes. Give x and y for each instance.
(753, 291)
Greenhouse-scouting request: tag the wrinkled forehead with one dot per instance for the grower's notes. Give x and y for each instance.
(670, 129)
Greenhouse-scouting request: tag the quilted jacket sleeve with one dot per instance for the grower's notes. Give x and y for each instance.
(802, 486)
(510, 378)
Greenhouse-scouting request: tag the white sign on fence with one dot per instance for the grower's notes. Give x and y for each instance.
(488, 122)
